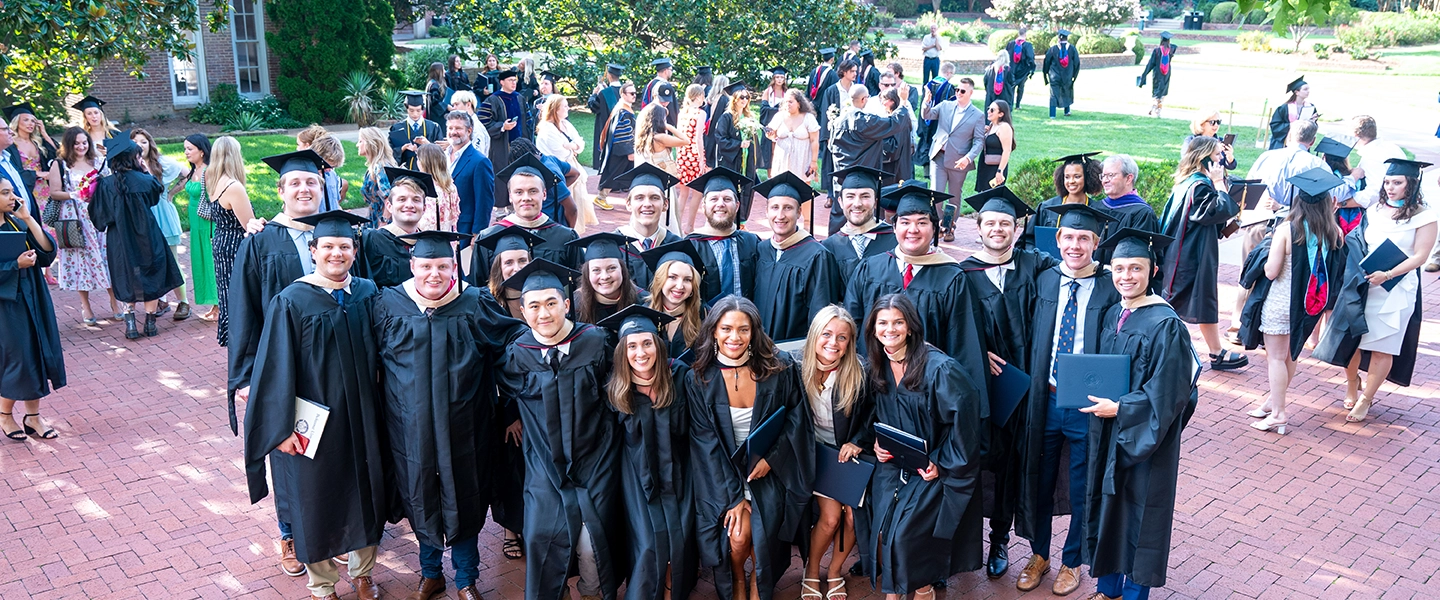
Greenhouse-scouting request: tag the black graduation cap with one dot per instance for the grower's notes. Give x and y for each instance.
(300, 160)
(1405, 168)
(614, 69)
(778, 70)
(736, 88)
(506, 74)
(683, 251)
(120, 144)
(1135, 243)
(541, 274)
(427, 183)
(867, 53)
(414, 97)
(719, 179)
(549, 75)
(19, 109)
(912, 198)
(636, 318)
(528, 164)
(1334, 147)
(88, 102)
(1001, 200)
(1076, 158)
(335, 223)
(859, 176)
(1165, 35)
(601, 245)
(1295, 85)
(787, 185)
(827, 53)
(705, 70)
(432, 243)
(1081, 216)
(661, 64)
(1314, 183)
(510, 237)
(646, 174)
(1064, 33)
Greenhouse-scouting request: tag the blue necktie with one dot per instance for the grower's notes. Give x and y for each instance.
(340, 297)
(647, 244)
(1067, 326)
(727, 269)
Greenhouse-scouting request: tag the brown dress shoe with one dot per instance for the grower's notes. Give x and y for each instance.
(470, 593)
(1066, 581)
(1034, 571)
(366, 589)
(430, 588)
(288, 563)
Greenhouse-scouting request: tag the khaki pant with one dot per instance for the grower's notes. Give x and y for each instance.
(324, 575)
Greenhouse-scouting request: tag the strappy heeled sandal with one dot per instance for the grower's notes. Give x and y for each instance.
(17, 435)
(513, 549)
(809, 591)
(49, 433)
(838, 590)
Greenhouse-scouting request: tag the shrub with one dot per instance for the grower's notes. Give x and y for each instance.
(1254, 41)
(1223, 12)
(1136, 46)
(412, 65)
(1256, 16)
(227, 109)
(1163, 9)
(978, 30)
(884, 20)
(441, 31)
(1154, 182)
(997, 40)
(1099, 43)
(903, 9)
(354, 35)
(957, 35)
(1042, 40)
(914, 31)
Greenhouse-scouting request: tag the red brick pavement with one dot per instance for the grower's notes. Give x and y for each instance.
(143, 494)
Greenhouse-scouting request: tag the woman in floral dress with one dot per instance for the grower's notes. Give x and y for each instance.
(37, 153)
(441, 213)
(72, 181)
(691, 157)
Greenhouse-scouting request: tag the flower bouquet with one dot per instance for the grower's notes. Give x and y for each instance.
(751, 130)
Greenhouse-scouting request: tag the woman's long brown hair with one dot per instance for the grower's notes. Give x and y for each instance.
(763, 359)
(915, 355)
(621, 386)
(691, 319)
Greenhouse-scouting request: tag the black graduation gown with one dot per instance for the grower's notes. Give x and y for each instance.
(640, 272)
(326, 353)
(858, 139)
(1007, 86)
(830, 96)
(439, 397)
(1341, 337)
(1025, 67)
(383, 258)
(1160, 86)
(659, 493)
(1134, 458)
(31, 359)
(601, 103)
(1032, 441)
(767, 146)
(552, 249)
(1136, 216)
(493, 114)
(898, 162)
(403, 133)
(506, 459)
(713, 112)
(926, 531)
(265, 264)
(1279, 126)
(1044, 217)
(142, 268)
(747, 248)
(779, 498)
(857, 428)
(1302, 324)
(1061, 78)
(572, 451)
(794, 288)
(1190, 268)
(950, 309)
(839, 245)
(612, 152)
(677, 345)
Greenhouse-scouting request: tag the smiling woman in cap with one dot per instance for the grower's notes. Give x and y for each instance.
(94, 121)
(1296, 108)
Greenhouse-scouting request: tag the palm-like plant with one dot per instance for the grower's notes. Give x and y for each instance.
(391, 104)
(359, 88)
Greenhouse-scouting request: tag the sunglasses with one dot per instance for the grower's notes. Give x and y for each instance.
(1215, 122)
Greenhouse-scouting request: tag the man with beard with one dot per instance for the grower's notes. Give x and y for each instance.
(473, 174)
(729, 253)
(798, 276)
(863, 235)
(384, 253)
(648, 200)
(527, 179)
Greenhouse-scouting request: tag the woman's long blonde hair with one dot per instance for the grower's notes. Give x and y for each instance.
(621, 387)
(550, 111)
(380, 155)
(431, 159)
(849, 375)
(226, 160)
(1199, 149)
(691, 319)
(645, 127)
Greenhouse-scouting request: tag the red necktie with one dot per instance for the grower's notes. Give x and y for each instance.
(909, 275)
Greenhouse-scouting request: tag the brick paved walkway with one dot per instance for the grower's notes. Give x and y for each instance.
(143, 495)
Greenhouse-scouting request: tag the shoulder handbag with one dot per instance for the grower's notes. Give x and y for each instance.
(68, 234)
(204, 206)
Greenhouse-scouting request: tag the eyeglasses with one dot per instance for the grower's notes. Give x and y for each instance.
(1108, 176)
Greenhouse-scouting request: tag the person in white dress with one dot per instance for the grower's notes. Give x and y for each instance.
(796, 134)
(556, 136)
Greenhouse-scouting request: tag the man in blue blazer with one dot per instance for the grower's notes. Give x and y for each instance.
(473, 174)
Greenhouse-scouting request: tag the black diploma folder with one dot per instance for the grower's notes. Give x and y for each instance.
(1006, 390)
(909, 452)
(760, 441)
(1384, 257)
(1045, 241)
(12, 245)
(844, 482)
(1079, 376)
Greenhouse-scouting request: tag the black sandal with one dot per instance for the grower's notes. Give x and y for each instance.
(1228, 360)
(17, 435)
(49, 434)
(513, 548)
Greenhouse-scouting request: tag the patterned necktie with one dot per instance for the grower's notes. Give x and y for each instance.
(647, 243)
(1124, 314)
(1067, 325)
(909, 275)
(339, 296)
(727, 269)
(860, 242)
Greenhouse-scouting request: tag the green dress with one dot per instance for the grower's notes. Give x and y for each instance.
(202, 262)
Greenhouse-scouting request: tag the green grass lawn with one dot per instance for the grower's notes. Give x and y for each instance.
(260, 180)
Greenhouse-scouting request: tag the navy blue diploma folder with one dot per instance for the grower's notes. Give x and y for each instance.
(1045, 241)
(12, 245)
(908, 451)
(1006, 390)
(760, 441)
(1384, 257)
(844, 482)
(1079, 376)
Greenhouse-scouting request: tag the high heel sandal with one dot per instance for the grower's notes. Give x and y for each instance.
(809, 591)
(1360, 388)
(926, 594)
(17, 435)
(49, 433)
(838, 589)
(513, 548)
(1262, 412)
(1270, 424)
(1360, 411)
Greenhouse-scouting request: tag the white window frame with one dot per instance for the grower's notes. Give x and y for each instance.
(198, 59)
(260, 55)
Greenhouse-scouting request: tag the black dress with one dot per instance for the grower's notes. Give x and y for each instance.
(31, 360)
(225, 242)
(986, 172)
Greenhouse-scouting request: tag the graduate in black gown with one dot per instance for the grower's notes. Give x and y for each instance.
(317, 347)
(440, 344)
(739, 381)
(950, 311)
(269, 261)
(605, 286)
(675, 291)
(730, 253)
(830, 102)
(574, 503)
(408, 135)
(142, 268)
(32, 363)
(603, 100)
(1134, 440)
(384, 253)
(647, 390)
(1159, 64)
(615, 148)
(1061, 69)
(527, 180)
(1077, 178)
(857, 138)
(1003, 277)
(798, 275)
(821, 79)
(648, 200)
(864, 235)
(924, 524)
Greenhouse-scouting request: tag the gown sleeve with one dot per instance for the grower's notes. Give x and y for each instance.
(1147, 414)
(1212, 206)
(716, 490)
(960, 414)
(270, 415)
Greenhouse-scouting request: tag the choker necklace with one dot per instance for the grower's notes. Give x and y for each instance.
(734, 365)
(896, 356)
